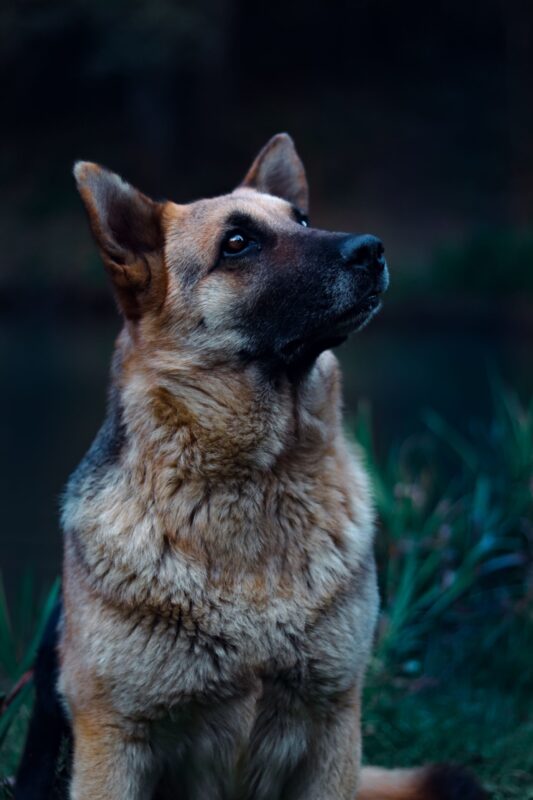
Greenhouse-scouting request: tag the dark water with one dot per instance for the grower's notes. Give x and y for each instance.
(53, 395)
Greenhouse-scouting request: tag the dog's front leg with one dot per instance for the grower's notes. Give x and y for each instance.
(336, 760)
(112, 761)
(304, 749)
(333, 764)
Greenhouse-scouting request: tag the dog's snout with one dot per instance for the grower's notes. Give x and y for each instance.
(363, 251)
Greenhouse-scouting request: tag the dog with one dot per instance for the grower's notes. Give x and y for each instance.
(219, 585)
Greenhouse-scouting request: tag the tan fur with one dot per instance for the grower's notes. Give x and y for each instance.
(219, 585)
(394, 784)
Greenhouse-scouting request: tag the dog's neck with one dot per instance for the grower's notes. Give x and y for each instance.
(231, 476)
(229, 422)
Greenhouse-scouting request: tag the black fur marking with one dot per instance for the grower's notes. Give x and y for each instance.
(166, 550)
(104, 453)
(108, 445)
(125, 583)
(307, 296)
(178, 625)
(49, 728)
(195, 510)
(213, 655)
(135, 625)
(224, 643)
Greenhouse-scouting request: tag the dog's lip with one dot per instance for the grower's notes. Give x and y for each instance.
(339, 327)
(370, 303)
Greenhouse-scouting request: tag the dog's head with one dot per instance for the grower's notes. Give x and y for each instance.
(239, 278)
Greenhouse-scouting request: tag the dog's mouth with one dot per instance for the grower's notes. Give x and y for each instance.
(335, 331)
(357, 316)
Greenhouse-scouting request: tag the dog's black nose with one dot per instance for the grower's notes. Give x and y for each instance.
(363, 251)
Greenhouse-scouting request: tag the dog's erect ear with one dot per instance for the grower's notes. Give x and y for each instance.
(278, 170)
(128, 230)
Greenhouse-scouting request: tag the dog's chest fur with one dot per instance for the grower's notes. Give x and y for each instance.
(193, 585)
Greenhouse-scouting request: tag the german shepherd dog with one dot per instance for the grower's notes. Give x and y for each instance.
(219, 587)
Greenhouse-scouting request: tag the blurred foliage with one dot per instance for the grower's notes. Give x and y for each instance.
(452, 676)
(486, 264)
(492, 262)
(21, 630)
(457, 526)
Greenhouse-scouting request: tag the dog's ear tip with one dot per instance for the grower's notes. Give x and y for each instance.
(283, 138)
(81, 168)
(99, 183)
(83, 171)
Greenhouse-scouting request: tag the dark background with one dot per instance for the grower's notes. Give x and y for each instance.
(415, 122)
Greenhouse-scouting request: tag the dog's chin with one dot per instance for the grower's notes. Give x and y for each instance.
(356, 317)
(332, 333)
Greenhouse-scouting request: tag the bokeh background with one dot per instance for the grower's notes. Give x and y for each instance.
(415, 121)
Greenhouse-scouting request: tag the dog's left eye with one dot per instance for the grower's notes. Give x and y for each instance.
(301, 218)
(235, 244)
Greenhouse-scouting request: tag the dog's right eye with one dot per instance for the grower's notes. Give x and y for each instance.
(235, 244)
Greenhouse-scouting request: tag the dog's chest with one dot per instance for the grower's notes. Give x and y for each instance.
(216, 652)
(166, 623)
(210, 645)
(212, 641)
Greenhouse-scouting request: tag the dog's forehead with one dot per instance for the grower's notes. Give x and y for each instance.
(214, 211)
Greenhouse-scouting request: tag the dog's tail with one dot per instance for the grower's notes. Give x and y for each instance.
(437, 782)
